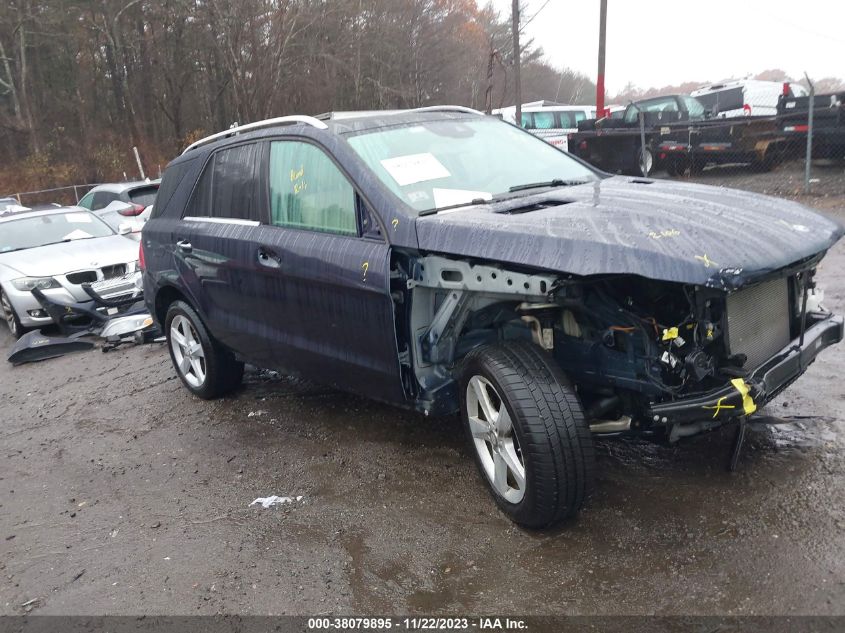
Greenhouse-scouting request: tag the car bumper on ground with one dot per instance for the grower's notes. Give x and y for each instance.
(742, 396)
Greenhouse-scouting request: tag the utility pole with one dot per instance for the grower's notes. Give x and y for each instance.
(600, 77)
(516, 80)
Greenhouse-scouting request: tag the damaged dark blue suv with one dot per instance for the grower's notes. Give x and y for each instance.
(446, 261)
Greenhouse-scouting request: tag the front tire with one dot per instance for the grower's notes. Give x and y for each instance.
(527, 432)
(205, 368)
(10, 316)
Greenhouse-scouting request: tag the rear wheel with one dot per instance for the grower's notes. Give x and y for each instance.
(527, 432)
(645, 162)
(10, 316)
(676, 166)
(204, 367)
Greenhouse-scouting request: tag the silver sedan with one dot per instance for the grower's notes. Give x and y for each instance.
(56, 250)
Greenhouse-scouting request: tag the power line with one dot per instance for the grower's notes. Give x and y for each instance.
(528, 21)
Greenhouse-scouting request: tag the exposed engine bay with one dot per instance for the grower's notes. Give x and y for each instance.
(630, 345)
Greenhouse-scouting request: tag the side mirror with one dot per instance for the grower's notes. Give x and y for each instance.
(124, 229)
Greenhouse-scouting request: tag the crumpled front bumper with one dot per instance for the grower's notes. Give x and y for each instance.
(743, 396)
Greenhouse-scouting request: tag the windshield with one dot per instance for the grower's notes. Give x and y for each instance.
(41, 230)
(444, 163)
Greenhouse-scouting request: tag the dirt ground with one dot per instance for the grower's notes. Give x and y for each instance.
(123, 494)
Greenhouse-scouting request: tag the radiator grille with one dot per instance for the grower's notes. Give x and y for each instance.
(82, 277)
(758, 321)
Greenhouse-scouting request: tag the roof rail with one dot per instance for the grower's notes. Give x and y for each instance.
(446, 108)
(282, 120)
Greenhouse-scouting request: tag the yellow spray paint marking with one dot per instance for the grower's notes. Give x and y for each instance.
(706, 260)
(719, 406)
(365, 266)
(395, 223)
(671, 333)
(747, 401)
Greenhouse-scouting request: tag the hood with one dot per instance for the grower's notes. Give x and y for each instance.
(696, 234)
(58, 259)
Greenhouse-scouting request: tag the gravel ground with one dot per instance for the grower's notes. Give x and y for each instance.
(122, 494)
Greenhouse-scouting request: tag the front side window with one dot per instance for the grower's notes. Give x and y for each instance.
(308, 191)
(448, 162)
(527, 121)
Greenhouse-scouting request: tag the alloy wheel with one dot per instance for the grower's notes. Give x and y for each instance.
(9, 314)
(494, 439)
(187, 351)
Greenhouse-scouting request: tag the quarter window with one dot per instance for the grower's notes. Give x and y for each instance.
(308, 191)
(86, 201)
(102, 199)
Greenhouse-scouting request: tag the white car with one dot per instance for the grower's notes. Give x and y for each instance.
(550, 121)
(745, 97)
(56, 250)
(121, 202)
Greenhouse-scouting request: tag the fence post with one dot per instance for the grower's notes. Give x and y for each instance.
(809, 158)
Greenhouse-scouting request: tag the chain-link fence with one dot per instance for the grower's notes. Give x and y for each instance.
(70, 194)
(699, 140)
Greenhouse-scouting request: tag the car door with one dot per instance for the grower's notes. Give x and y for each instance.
(214, 250)
(329, 312)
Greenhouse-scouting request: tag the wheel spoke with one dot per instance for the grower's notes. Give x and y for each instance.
(508, 454)
(484, 402)
(196, 366)
(500, 473)
(478, 428)
(184, 365)
(503, 422)
(179, 338)
(195, 350)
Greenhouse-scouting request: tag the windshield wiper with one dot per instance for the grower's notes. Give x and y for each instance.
(472, 202)
(557, 182)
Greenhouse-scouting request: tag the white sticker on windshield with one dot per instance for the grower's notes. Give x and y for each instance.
(77, 234)
(406, 170)
(75, 218)
(449, 197)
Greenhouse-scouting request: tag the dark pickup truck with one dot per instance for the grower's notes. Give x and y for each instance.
(679, 136)
(828, 122)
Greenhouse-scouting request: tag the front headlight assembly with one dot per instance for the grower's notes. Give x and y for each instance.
(25, 284)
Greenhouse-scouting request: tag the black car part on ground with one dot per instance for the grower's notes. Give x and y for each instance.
(88, 317)
(34, 346)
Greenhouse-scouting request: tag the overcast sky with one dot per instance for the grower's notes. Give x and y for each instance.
(663, 42)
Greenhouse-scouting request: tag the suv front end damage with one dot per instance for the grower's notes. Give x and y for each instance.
(647, 357)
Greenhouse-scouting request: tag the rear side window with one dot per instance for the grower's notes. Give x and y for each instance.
(569, 119)
(227, 186)
(694, 107)
(144, 196)
(544, 120)
(308, 191)
(723, 100)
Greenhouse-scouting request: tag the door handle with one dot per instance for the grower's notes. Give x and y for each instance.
(268, 258)
(184, 246)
